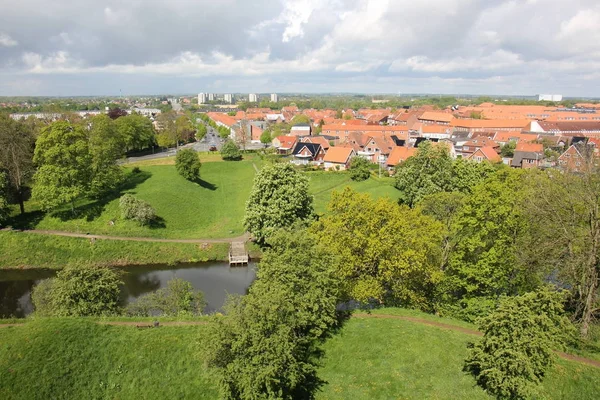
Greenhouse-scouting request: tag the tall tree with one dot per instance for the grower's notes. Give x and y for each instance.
(564, 212)
(106, 146)
(428, 171)
(136, 130)
(266, 346)
(4, 206)
(388, 253)
(279, 198)
(16, 155)
(64, 165)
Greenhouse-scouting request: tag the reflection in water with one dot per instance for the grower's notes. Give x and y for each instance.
(215, 280)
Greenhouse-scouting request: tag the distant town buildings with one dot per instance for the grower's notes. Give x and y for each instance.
(201, 98)
(228, 98)
(274, 98)
(550, 97)
(253, 98)
(211, 97)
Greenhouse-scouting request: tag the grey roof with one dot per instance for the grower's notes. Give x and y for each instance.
(519, 156)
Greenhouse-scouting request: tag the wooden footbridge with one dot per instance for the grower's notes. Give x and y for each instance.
(238, 254)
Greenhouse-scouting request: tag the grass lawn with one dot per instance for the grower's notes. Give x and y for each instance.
(187, 210)
(322, 184)
(23, 250)
(367, 359)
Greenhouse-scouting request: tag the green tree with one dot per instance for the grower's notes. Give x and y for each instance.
(4, 206)
(428, 171)
(490, 231)
(279, 198)
(16, 155)
(388, 253)
(563, 211)
(265, 137)
(517, 348)
(188, 164)
(136, 131)
(64, 165)
(300, 119)
(266, 346)
(230, 151)
(184, 128)
(359, 169)
(80, 291)
(508, 150)
(137, 210)
(177, 299)
(106, 146)
(467, 174)
(201, 131)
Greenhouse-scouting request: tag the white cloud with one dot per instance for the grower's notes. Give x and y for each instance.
(7, 41)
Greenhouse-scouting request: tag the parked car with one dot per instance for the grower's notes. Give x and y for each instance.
(212, 148)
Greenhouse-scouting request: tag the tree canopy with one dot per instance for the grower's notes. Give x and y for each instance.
(359, 169)
(188, 164)
(230, 151)
(279, 198)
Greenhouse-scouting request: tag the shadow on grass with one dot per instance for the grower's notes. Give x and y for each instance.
(157, 223)
(91, 210)
(206, 185)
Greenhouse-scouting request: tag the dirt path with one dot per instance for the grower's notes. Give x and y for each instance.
(242, 238)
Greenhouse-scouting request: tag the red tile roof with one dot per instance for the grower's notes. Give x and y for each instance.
(338, 155)
(531, 147)
(400, 154)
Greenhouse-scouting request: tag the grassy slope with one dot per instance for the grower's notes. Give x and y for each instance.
(30, 250)
(213, 209)
(368, 359)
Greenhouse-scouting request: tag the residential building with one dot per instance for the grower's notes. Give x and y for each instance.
(253, 98)
(399, 155)
(317, 139)
(550, 97)
(438, 118)
(486, 153)
(274, 98)
(338, 158)
(211, 97)
(228, 98)
(284, 144)
(307, 153)
(300, 130)
(201, 98)
(470, 147)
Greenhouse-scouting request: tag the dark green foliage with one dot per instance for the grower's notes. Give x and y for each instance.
(278, 199)
(188, 164)
(136, 209)
(79, 291)
(230, 151)
(178, 299)
(267, 345)
(64, 165)
(359, 169)
(136, 131)
(508, 150)
(432, 170)
(106, 145)
(517, 348)
(4, 207)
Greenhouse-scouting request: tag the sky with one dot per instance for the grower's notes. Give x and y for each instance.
(502, 47)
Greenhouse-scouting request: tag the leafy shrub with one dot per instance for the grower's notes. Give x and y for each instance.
(79, 291)
(136, 209)
(230, 151)
(359, 169)
(188, 164)
(518, 343)
(179, 297)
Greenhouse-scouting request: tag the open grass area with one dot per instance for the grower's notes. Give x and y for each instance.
(186, 210)
(368, 359)
(322, 184)
(27, 250)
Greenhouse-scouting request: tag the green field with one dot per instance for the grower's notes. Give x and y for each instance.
(27, 250)
(187, 210)
(368, 359)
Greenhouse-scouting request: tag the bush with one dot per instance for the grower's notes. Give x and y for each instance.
(136, 210)
(230, 151)
(518, 343)
(188, 164)
(179, 297)
(136, 170)
(80, 292)
(359, 169)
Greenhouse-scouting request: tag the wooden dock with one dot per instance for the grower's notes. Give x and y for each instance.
(238, 254)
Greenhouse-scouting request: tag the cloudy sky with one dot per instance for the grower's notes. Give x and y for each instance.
(67, 47)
